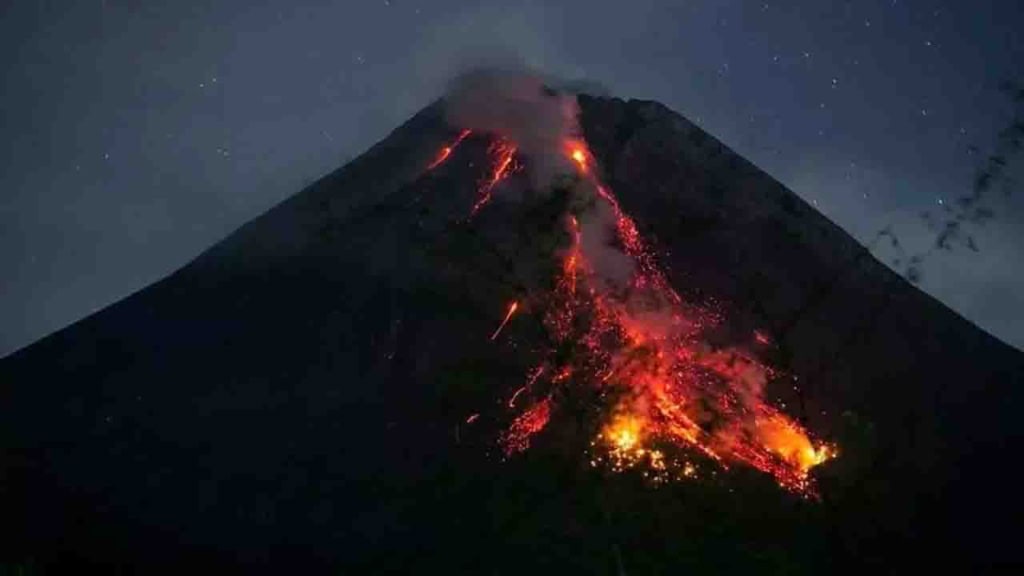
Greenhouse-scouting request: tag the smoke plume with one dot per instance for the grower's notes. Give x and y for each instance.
(519, 107)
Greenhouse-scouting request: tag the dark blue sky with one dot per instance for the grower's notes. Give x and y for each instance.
(136, 134)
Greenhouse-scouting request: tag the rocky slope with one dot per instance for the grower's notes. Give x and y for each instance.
(298, 394)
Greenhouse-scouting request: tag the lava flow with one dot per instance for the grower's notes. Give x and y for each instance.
(447, 150)
(679, 404)
(504, 154)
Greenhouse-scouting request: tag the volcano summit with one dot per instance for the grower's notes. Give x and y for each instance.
(529, 329)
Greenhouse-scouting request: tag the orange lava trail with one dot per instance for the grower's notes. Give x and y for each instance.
(578, 153)
(572, 260)
(447, 150)
(504, 155)
(679, 394)
(511, 310)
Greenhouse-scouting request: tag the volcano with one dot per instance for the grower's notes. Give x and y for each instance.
(529, 329)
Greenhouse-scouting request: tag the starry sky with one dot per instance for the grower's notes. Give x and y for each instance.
(136, 134)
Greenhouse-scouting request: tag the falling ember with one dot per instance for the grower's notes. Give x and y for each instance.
(447, 150)
(533, 378)
(525, 426)
(504, 162)
(508, 316)
(472, 418)
(572, 261)
(678, 399)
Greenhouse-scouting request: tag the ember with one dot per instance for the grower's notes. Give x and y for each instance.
(508, 316)
(531, 421)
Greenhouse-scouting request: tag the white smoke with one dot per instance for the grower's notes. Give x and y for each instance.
(612, 267)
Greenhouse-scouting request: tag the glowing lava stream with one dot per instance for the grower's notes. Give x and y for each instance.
(504, 154)
(677, 395)
(447, 150)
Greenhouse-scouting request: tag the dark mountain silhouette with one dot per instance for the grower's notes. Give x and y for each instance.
(296, 397)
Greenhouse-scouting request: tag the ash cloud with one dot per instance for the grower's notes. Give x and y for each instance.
(612, 267)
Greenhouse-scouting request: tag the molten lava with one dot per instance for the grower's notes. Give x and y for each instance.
(447, 150)
(503, 154)
(680, 405)
(578, 153)
(623, 433)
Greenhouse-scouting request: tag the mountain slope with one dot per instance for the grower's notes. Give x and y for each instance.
(299, 393)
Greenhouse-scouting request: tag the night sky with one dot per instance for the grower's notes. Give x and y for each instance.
(136, 134)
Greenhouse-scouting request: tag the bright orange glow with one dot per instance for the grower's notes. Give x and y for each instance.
(785, 439)
(683, 404)
(623, 433)
(508, 316)
(577, 152)
(503, 154)
(447, 150)
(580, 158)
